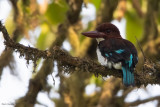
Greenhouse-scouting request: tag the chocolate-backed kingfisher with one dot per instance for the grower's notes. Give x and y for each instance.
(115, 52)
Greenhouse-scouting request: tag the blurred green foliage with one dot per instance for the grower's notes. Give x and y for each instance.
(96, 3)
(134, 26)
(46, 37)
(98, 81)
(56, 12)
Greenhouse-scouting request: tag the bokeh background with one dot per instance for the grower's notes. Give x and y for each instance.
(44, 24)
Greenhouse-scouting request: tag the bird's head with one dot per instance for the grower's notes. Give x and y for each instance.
(103, 32)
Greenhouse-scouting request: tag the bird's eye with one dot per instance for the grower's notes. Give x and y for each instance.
(108, 30)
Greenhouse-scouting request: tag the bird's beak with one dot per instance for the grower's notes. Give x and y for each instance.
(94, 34)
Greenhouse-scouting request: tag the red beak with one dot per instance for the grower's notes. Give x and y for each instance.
(94, 34)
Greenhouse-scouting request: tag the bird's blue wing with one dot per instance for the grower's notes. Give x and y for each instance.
(118, 50)
(117, 55)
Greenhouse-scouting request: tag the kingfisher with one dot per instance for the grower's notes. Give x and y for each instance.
(115, 52)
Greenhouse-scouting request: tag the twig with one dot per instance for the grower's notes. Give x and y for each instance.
(53, 79)
(141, 49)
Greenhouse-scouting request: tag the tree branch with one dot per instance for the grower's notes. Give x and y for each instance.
(150, 24)
(149, 76)
(107, 7)
(136, 5)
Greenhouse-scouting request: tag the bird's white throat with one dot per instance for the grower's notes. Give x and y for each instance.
(99, 39)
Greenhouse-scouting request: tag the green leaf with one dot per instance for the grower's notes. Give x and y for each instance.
(56, 11)
(96, 3)
(97, 81)
(46, 37)
(134, 26)
(10, 24)
(42, 37)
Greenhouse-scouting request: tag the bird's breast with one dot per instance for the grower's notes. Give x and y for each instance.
(103, 61)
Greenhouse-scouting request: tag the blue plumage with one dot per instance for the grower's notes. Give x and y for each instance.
(128, 75)
(127, 65)
(119, 51)
(107, 55)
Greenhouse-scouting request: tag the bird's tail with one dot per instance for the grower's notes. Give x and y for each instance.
(128, 76)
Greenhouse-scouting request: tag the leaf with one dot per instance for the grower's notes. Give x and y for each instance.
(96, 3)
(97, 81)
(56, 11)
(46, 37)
(134, 26)
(9, 23)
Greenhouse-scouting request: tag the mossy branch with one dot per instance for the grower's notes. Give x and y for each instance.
(149, 75)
